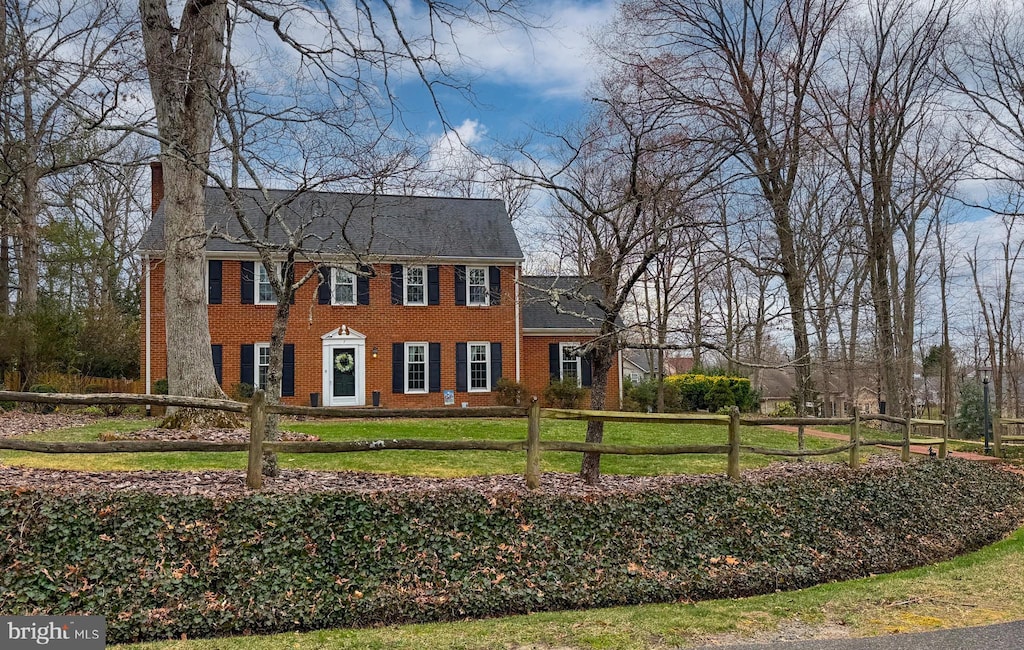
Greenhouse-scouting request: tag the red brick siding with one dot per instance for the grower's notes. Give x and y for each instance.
(536, 372)
(233, 324)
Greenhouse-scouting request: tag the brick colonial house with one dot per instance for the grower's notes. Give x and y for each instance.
(435, 303)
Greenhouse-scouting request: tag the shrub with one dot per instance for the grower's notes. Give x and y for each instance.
(643, 396)
(160, 387)
(510, 393)
(564, 393)
(695, 392)
(784, 410)
(163, 567)
(242, 392)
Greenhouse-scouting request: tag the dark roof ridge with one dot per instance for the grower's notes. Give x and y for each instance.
(387, 195)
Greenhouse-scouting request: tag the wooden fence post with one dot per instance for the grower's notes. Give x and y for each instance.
(734, 443)
(944, 447)
(855, 439)
(997, 437)
(257, 431)
(533, 445)
(905, 452)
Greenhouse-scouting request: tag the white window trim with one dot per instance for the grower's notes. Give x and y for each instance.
(426, 368)
(256, 348)
(487, 293)
(405, 286)
(561, 361)
(260, 270)
(335, 272)
(469, 366)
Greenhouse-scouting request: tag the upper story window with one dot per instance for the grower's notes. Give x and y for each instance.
(479, 366)
(415, 285)
(343, 287)
(415, 367)
(476, 285)
(265, 292)
(571, 361)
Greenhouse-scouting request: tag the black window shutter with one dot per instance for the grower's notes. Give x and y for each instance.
(495, 364)
(323, 290)
(217, 352)
(363, 285)
(461, 368)
(435, 366)
(397, 367)
(288, 371)
(215, 275)
(586, 373)
(495, 282)
(433, 286)
(554, 362)
(247, 364)
(460, 284)
(396, 284)
(247, 285)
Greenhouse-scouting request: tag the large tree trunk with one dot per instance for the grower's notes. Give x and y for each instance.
(602, 360)
(185, 65)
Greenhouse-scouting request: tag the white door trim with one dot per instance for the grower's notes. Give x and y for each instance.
(343, 337)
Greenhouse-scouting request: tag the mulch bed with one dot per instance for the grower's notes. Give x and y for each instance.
(209, 435)
(227, 484)
(17, 423)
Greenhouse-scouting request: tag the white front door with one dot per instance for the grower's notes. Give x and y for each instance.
(344, 381)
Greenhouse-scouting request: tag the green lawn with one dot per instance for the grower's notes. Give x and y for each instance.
(438, 464)
(975, 589)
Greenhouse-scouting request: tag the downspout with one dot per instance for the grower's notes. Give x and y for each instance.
(519, 336)
(149, 331)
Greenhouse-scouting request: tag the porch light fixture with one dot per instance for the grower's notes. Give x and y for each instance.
(375, 352)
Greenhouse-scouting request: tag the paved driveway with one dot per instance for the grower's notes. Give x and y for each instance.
(1005, 636)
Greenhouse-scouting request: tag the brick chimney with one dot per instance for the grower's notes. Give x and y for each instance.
(157, 175)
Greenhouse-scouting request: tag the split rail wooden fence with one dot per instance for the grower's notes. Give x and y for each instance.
(258, 409)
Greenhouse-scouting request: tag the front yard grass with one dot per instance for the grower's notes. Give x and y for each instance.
(429, 463)
(975, 589)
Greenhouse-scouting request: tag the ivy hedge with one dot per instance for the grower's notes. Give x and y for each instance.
(160, 567)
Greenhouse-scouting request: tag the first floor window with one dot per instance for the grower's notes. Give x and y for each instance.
(570, 361)
(343, 287)
(415, 285)
(262, 351)
(476, 284)
(479, 366)
(415, 367)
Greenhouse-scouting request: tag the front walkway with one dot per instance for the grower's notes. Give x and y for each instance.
(914, 449)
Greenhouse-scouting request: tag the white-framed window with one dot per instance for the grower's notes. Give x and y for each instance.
(416, 367)
(479, 366)
(415, 285)
(264, 292)
(476, 285)
(343, 287)
(261, 363)
(571, 362)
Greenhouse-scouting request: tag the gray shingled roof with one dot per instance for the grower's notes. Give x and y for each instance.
(384, 225)
(572, 311)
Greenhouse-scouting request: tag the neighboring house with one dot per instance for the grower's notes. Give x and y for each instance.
(433, 304)
(636, 365)
(776, 387)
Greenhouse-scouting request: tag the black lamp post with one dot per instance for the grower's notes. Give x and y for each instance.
(987, 415)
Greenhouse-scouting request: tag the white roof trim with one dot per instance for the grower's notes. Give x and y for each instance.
(560, 331)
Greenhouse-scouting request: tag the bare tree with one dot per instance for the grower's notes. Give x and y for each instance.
(747, 68)
(57, 59)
